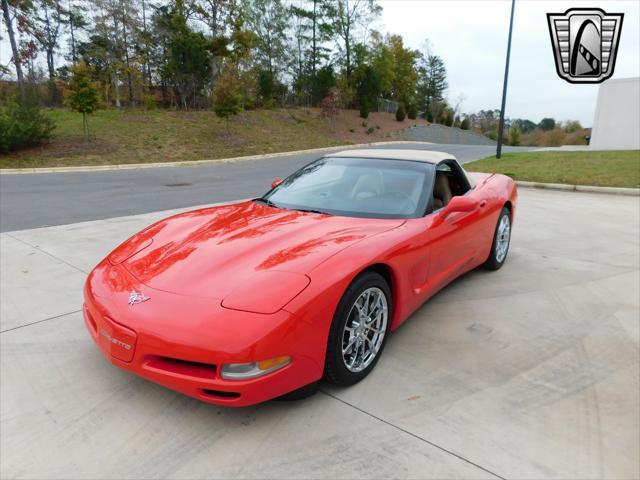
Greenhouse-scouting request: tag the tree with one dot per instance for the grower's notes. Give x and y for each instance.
(22, 124)
(83, 94)
(267, 20)
(364, 108)
(367, 81)
(227, 96)
(547, 124)
(412, 111)
(513, 136)
(401, 113)
(188, 59)
(329, 106)
(524, 125)
(75, 13)
(46, 23)
(347, 16)
(405, 76)
(215, 13)
(433, 81)
(465, 124)
(572, 126)
(16, 58)
(325, 81)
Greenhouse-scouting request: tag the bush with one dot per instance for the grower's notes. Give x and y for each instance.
(364, 109)
(513, 136)
(400, 113)
(22, 126)
(370, 130)
(149, 102)
(412, 111)
(465, 124)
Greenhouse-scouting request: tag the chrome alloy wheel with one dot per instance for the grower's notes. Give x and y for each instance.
(364, 329)
(502, 238)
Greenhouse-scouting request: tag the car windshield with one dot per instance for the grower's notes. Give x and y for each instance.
(356, 187)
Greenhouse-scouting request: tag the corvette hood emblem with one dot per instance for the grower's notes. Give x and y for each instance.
(137, 297)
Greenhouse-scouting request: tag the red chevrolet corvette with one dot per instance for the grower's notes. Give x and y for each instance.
(238, 304)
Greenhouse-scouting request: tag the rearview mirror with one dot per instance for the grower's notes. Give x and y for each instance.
(460, 204)
(276, 182)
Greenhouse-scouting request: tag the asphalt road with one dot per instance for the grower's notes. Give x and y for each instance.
(46, 199)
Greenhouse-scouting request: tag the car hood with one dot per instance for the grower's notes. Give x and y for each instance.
(214, 251)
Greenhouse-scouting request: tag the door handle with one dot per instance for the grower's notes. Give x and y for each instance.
(483, 203)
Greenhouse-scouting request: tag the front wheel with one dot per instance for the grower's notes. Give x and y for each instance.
(501, 239)
(359, 330)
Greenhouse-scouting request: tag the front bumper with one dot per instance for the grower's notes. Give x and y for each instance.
(181, 342)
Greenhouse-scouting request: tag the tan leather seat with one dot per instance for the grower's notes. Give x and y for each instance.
(441, 191)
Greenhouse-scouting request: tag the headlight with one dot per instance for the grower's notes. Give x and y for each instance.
(244, 371)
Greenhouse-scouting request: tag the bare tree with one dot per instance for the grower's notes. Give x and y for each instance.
(347, 17)
(46, 23)
(17, 61)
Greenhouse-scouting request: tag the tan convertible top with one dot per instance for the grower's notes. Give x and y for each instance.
(428, 156)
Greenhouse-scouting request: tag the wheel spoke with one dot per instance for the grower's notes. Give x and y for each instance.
(350, 345)
(364, 329)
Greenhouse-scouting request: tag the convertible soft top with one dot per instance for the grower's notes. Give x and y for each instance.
(428, 156)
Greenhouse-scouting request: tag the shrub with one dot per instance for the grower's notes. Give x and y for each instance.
(329, 106)
(400, 113)
(370, 130)
(364, 109)
(412, 111)
(365, 124)
(351, 130)
(22, 125)
(149, 102)
(465, 124)
(513, 136)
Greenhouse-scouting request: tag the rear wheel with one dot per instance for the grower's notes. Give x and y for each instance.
(501, 240)
(359, 330)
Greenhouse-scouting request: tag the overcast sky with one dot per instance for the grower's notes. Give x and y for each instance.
(471, 37)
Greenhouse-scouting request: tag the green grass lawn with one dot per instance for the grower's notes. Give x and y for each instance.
(139, 136)
(605, 169)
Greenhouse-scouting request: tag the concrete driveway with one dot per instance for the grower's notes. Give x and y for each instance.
(528, 372)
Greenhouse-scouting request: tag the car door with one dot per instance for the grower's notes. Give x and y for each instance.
(453, 236)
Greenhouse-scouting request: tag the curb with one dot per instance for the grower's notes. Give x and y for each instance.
(580, 188)
(195, 163)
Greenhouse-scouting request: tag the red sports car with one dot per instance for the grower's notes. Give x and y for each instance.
(238, 304)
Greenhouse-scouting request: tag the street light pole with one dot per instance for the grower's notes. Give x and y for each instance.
(504, 86)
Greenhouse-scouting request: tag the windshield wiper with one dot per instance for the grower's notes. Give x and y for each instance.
(311, 210)
(266, 201)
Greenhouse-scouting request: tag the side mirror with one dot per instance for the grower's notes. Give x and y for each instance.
(276, 182)
(460, 204)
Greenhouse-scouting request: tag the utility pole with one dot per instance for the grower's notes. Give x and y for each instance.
(504, 86)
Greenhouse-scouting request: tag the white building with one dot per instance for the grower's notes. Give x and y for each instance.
(616, 125)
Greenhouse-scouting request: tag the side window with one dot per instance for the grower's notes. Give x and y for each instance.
(450, 182)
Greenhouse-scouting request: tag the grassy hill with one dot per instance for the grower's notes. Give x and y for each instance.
(139, 136)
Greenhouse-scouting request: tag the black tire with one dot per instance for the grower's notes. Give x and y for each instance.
(335, 370)
(493, 262)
